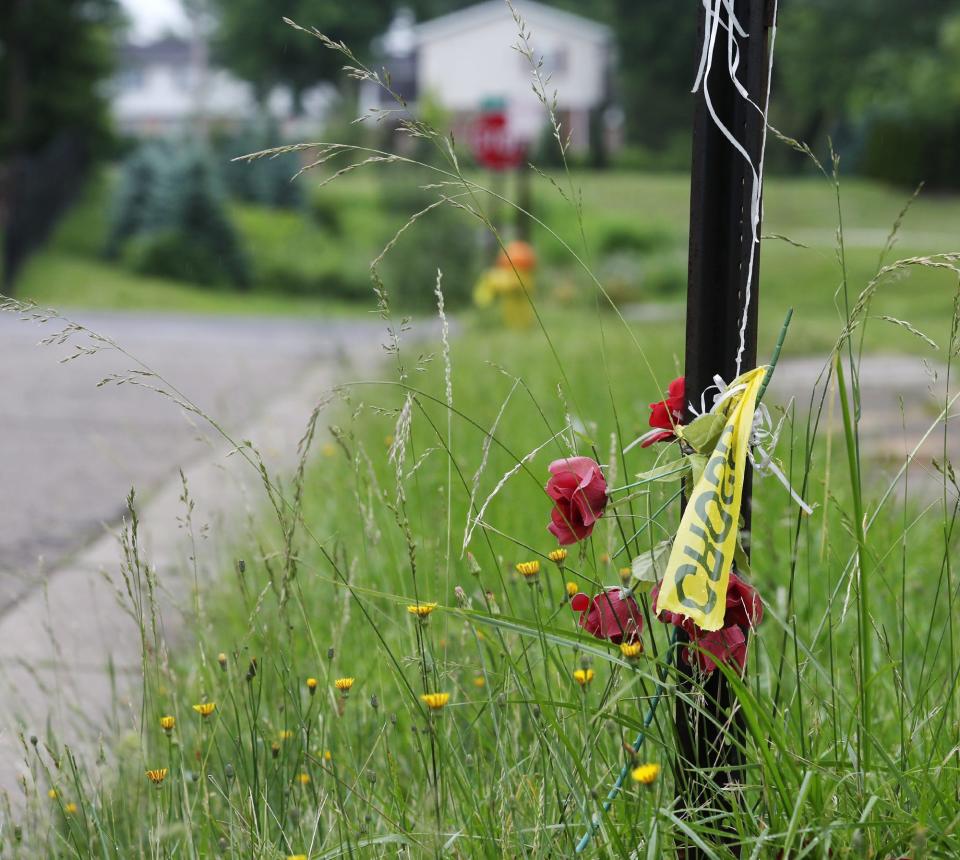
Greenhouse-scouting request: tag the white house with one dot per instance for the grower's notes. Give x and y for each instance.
(466, 58)
(167, 85)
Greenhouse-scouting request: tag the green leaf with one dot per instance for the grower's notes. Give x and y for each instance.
(672, 471)
(698, 462)
(649, 566)
(740, 559)
(703, 433)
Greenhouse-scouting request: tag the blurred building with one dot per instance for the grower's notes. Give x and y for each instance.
(467, 58)
(168, 85)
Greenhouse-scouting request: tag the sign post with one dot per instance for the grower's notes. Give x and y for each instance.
(723, 255)
(497, 148)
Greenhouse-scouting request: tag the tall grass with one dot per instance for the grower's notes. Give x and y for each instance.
(427, 487)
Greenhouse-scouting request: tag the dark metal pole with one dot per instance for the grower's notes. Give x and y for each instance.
(721, 190)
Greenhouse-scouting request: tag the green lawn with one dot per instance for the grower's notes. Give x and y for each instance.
(65, 281)
(304, 267)
(518, 761)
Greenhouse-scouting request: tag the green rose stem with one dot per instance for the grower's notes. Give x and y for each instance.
(671, 651)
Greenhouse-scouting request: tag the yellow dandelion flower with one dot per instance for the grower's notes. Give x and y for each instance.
(421, 610)
(158, 775)
(479, 681)
(557, 555)
(70, 808)
(303, 778)
(52, 794)
(583, 676)
(329, 449)
(388, 441)
(343, 684)
(285, 734)
(604, 558)
(167, 723)
(572, 588)
(625, 573)
(275, 749)
(528, 568)
(435, 701)
(312, 685)
(631, 650)
(296, 857)
(222, 660)
(205, 708)
(327, 755)
(646, 774)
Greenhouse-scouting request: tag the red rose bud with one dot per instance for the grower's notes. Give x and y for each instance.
(579, 493)
(666, 414)
(726, 646)
(729, 644)
(743, 609)
(613, 614)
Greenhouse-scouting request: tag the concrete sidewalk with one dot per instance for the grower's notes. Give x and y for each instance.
(69, 647)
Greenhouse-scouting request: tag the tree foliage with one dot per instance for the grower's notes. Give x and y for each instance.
(170, 218)
(54, 57)
(252, 39)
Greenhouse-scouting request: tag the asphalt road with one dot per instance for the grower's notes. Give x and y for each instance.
(70, 451)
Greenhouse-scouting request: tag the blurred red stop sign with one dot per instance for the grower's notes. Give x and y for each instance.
(492, 144)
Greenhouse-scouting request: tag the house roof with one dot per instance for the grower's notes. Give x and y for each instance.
(495, 10)
(167, 50)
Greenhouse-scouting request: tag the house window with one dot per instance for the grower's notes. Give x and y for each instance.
(555, 62)
(130, 78)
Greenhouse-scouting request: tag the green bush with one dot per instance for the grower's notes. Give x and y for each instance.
(629, 277)
(444, 238)
(326, 212)
(84, 228)
(171, 254)
(267, 181)
(291, 254)
(907, 149)
(615, 235)
(170, 219)
(135, 195)
(673, 155)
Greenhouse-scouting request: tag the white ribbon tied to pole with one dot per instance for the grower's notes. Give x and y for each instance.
(714, 19)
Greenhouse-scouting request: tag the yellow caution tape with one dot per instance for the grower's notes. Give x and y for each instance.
(698, 570)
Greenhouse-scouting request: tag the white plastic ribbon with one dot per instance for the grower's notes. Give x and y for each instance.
(713, 20)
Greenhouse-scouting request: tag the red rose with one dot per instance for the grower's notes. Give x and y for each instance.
(613, 614)
(743, 609)
(744, 606)
(717, 646)
(579, 493)
(666, 414)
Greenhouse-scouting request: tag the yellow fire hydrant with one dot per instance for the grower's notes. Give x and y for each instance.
(510, 283)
